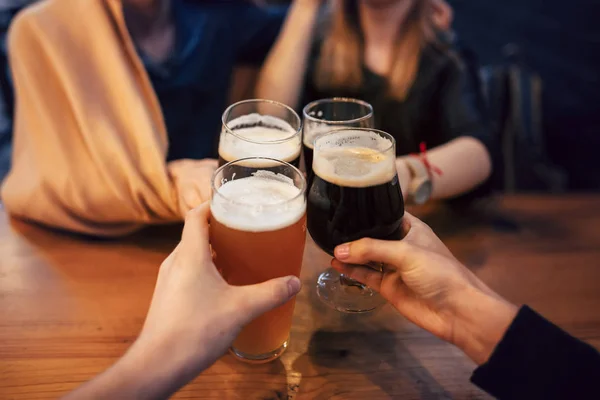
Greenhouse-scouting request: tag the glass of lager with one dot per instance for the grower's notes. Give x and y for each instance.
(260, 128)
(324, 115)
(354, 194)
(257, 232)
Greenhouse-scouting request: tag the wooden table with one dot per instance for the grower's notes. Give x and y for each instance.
(70, 306)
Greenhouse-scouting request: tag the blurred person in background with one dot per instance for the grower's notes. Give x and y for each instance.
(195, 315)
(118, 106)
(395, 55)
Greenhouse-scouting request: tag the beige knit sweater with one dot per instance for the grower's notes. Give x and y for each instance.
(89, 139)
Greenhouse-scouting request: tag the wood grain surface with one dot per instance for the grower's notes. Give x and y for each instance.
(70, 306)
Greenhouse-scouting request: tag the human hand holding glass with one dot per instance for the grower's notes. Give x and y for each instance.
(194, 317)
(354, 194)
(431, 288)
(257, 232)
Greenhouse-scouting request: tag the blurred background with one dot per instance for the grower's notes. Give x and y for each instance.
(538, 66)
(561, 42)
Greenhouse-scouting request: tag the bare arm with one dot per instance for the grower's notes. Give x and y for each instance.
(143, 373)
(282, 74)
(193, 318)
(464, 162)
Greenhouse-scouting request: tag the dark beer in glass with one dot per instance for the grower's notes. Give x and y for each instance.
(354, 194)
(325, 115)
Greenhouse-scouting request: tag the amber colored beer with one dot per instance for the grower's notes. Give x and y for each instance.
(259, 236)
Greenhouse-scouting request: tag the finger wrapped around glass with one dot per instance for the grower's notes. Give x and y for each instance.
(257, 232)
(354, 194)
(260, 128)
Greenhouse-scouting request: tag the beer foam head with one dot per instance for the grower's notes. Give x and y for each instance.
(256, 135)
(263, 202)
(355, 159)
(323, 116)
(314, 130)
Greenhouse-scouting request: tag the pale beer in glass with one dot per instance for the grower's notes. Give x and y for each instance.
(257, 232)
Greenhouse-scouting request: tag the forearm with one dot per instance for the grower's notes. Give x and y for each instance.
(535, 359)
(481, 318)
(281, 77)
(142, 373)
(464, 164)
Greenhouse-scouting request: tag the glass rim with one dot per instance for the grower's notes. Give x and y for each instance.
(215, 191)
(351, 129)
(340, 100)
(245, 139)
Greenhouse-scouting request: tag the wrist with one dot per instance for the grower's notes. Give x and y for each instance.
(152, 371)
(480, 320)
(419, 187)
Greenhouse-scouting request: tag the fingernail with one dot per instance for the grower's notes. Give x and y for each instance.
(342, 251)
(294, 286)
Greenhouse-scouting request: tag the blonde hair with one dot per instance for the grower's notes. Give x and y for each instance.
(341, 57)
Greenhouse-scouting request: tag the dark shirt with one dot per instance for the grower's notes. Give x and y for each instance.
(193, 84)
(537, 360)
(7, 13)
(440, 106)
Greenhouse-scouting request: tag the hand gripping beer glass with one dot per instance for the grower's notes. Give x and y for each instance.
(324, 115)
(260, 128)
(257, 232)
(354, 194)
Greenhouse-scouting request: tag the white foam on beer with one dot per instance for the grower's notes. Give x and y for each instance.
(273, 138)
(263, 202)
(314, 130)
(355, 160)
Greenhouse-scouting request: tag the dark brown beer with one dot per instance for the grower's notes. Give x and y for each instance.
(325, 115)
(353, 195)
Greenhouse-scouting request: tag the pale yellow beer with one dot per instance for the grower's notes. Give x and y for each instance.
(258, 231)
(260, 128)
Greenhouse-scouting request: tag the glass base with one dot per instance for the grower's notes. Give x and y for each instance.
(259, 358)
(346, 295)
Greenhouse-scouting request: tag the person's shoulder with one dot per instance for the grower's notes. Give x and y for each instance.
(441, 57)
(440, 62)
(48, 16)
(23, 25)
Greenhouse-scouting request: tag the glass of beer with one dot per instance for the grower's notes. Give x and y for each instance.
(257, 233)
(260, 128)
(355, 194)
(324, 115)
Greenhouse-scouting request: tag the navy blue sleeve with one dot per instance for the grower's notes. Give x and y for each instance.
(6, 95)
(257, 29)
(5, 132)
(537, 360)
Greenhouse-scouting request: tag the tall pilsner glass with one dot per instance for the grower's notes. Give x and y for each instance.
(355, 194)
(257, 232)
